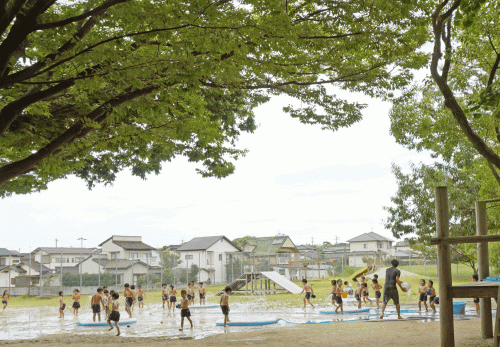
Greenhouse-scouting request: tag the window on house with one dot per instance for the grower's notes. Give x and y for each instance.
(246, 249)
(381, 245)
(220, 257)
(67, 260)
(134, 255)
(114, 255)
(188, 256)
(72, 260)
(365, 245)
(15, 261)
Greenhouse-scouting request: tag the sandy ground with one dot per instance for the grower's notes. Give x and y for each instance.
(406, 333)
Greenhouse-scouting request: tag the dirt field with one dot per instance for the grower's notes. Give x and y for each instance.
(408, 333)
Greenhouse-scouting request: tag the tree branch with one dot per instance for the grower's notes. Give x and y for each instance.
(9, 13)
(96, 11)
(493, 71)
(494, 172)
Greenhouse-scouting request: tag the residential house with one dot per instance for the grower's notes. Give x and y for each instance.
(210, 255)
(55, 257)
(130, 248)
(365, 245)
(16, 269)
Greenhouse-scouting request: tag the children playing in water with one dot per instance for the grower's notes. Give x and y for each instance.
(95, 303)
(5, 297)
(185, 313)
(164, 296)
(357, 292)
(134, 296)
(376, 287)
(364, 290)
(115, 314)
(76, 301)
(309, 291)
(106, 300)
(224, 304)
(334, 293)
(62, 305)
(431, 294)
(202, 291)
(171, 293)
(422, 290)
(190, 293)
(140, 296)
(348, 288)
(129, 299)
(392, 275)
(339, 297)
(475, 278)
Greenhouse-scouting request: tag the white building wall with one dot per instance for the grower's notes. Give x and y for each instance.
(110, 247)
(360, 246)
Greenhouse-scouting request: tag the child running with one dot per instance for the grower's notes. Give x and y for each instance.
(106, 300)
(5, 297)
(95, 303)
(202, 291)
(115, 314)
(364, 289)
(190, 293)
(164, 295)
(185, 313)
(334, 293)
(357, 292)
(62, 305)
(475, 278)
(171, 293)
(76, 301)
(339, 297)
(224, 304)
(422, 290)
(129, 299)
(309, 291)
(431, 293)
(140, 296)
(134, 295)
(376, 287)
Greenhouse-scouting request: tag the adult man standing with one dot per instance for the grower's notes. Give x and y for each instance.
(390, 289)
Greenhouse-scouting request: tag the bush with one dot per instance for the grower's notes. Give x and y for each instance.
(73, 280)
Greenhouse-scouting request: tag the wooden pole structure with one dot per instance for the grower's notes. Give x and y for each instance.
(483, 267)
(444, 268)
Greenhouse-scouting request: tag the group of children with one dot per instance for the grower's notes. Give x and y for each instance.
(169, 296)
(426, 291)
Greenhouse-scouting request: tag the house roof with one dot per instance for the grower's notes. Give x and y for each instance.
(6, 252)
(203, 243)
(65, 250)
(120, 263)
(268, 245)
(34, 264)
(371, 236)
(305, 248)
(133, 245)
(401, 244)
(15, 268)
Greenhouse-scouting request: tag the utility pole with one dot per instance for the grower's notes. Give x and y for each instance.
(312, 241)
(81, 239)
(56, 242)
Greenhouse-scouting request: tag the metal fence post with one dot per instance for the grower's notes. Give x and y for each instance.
(147, 271)
(40, 285)
(80, 270)
(99, 260)
(61, 270)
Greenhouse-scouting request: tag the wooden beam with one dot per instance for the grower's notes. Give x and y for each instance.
(464, 239)
(474, 292)
(491, 200)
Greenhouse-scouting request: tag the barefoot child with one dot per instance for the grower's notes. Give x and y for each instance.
(190, 294)
(171, 293)
(202, 291)
(164, 296)
(334, 293)
(364, 289)
(114, 315)
(309, 291)
(348, 288)
(185, 313)
(95, 303)
(392, 275)
(475, 278)
(224, 304)
(106, 300)
(422, 290)
(376, 287)
(140, 296)
(5, 297)
(357, 292)
(431, 293)
(134, 295)
(62, 305)
(76, 301)
(339, 297)
(129, 299)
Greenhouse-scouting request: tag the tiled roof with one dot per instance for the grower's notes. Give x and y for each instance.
(5, 252)
(34, 264)
(371, 236)
(15, 268)
(120, 264)
(203, 243)
(266, 245)
(401, 244)
(65, 250)
(133, 245)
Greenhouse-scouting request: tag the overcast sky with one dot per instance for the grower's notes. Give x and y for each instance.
(311, 184)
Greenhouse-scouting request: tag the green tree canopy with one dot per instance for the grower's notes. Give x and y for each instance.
(93, 87)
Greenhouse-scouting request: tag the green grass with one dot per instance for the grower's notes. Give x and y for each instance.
(430, 271)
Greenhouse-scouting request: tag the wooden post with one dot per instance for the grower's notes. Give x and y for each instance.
(483, 267)
(444, 268)
(251, 279)
(246, 289)
(261, 284)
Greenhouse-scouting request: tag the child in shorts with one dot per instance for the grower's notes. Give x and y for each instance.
(171, 293)
(76, 301)
(62, 305)
(140, 296)
(202, 291)
(376, 287)
(334, 293)
(115, 314)
(309, 291)
(422, 290)
(164, 296)
(95, 304)
(185, 313)
(5, 297)
(339, 297)
(348, 288)
(364, 290)
(431, 294)
(129, 299)
(475, 278)
(224, 304)
(357, 292)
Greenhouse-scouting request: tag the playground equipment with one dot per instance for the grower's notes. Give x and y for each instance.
(265, 277)
(447, 291)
